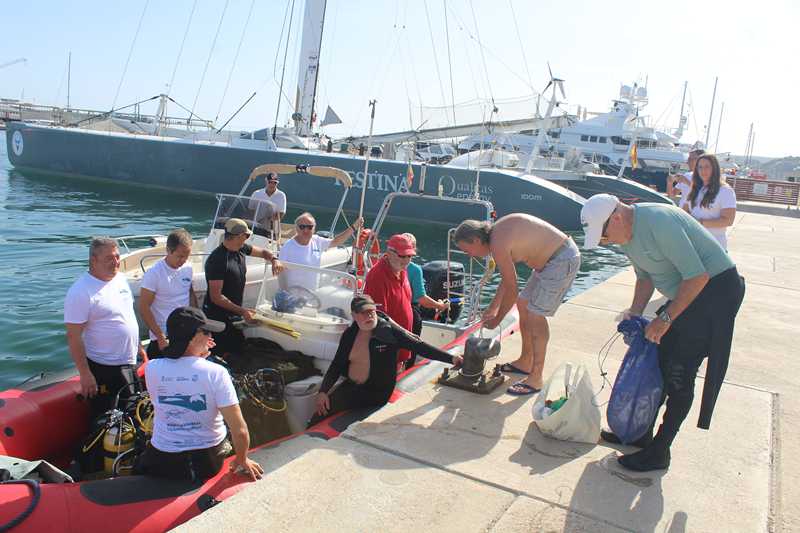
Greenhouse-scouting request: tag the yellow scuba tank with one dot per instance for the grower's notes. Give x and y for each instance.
(118, 439)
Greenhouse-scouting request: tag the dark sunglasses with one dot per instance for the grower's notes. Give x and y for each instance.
(401, 256)
(305, 226)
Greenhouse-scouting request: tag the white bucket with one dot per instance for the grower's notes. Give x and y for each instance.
(300, 396)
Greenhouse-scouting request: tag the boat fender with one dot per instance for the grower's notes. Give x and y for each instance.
(374, 250)
(36, 496)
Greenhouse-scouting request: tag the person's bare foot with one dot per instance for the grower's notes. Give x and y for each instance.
(535, 382)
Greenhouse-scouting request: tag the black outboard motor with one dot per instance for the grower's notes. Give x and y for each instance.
(435, 275)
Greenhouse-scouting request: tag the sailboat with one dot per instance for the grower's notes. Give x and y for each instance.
(218, 164)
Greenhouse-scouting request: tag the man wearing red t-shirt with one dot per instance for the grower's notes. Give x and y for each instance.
(388, 285)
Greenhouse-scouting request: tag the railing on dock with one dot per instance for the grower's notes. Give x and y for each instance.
(774, 192)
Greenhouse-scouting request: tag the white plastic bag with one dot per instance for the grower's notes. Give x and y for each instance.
(578, 419)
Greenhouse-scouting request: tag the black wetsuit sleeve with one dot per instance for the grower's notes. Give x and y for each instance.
(340, 361)
(409, 341)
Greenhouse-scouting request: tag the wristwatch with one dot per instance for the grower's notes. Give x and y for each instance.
(664, 316)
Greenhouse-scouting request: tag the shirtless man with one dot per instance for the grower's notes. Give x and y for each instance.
(554, 258)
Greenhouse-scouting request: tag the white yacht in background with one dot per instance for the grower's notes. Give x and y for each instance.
(605, 139)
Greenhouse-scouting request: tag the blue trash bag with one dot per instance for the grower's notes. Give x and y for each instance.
(636, 396)
(286, 302)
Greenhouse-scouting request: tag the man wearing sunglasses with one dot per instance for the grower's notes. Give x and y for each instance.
(387, 284)
(226, 276)
(673, 253)
(193, 399)
(306, 248)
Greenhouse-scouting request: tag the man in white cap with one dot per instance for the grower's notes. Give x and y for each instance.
(226, 275)
(673, 253)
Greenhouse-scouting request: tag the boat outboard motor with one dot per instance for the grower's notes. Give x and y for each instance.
(471, 376)
(435, 274)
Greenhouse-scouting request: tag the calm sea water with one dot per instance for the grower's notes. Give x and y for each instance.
(46, 223)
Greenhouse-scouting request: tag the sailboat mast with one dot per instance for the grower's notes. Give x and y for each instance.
(681, 121)
(310, 48)
(747, 146)
(719, 125)
(711, 116)
(69, 74)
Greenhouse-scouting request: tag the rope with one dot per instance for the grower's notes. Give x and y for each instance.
(601, 361)
(37, 494)
(521, 47)
(283, 71)
(180, 52)
(483, 56)
(449, 62)
(130, 53)
(435, 55)
(208, 61)
(235, 58)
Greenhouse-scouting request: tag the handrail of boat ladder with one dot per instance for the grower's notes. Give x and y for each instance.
(153, 239)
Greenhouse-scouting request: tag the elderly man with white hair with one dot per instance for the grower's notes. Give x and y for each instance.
(673, 253)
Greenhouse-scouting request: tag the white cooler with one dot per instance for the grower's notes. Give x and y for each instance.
(300, 396)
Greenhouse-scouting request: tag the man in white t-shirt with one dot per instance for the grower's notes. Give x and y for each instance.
(683, 182)
(306, 248)
(102, 332)
(272, 196)
(193, 399)
(165, 286)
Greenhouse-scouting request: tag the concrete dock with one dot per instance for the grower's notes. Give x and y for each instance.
(446, 460)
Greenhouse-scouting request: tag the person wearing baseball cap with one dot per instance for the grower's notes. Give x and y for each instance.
(269, 202)
(387, 283)
(367, 359)
(193, 399)
(670, 251)
(226, 275)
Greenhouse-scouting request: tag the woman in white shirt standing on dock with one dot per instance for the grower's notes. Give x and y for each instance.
(711, 201)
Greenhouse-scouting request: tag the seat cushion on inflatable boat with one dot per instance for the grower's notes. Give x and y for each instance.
(134, 489)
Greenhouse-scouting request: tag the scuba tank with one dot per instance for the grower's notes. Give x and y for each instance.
(118, 439)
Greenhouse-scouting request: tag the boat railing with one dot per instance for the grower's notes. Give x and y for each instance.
(473, 291)
(153, 239)
(160, 256)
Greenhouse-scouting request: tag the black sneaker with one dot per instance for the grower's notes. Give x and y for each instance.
(651, 458)
(612, 438)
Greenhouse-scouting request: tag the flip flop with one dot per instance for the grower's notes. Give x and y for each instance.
(508, 368)
(520, 388)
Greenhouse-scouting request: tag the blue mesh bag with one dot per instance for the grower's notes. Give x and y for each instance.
(636, 396)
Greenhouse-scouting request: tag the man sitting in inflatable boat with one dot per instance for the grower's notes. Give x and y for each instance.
(191, 397)
(367, 359)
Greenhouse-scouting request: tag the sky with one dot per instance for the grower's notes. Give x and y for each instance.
(396, 52)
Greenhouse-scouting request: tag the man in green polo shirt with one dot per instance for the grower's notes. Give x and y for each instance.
(673, 253)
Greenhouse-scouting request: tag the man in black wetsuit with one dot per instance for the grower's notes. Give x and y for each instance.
(226, 275)
(367, 358)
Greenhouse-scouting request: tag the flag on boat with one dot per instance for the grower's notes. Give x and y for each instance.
(330, 118)
(634, 156)
(409, 175)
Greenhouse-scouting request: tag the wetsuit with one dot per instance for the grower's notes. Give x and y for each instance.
(386, 339)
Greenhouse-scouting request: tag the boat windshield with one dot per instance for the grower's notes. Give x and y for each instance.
(257, 213)
(307, 291)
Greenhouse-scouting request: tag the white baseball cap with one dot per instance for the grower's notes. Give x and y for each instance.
(594, 214)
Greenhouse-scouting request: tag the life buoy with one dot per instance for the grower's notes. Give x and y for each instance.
(374, 250)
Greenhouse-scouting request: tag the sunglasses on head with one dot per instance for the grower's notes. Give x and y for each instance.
(305, 226)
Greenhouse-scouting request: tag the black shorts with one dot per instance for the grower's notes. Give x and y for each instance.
(191, 465)
(111, 380)
(228, 342)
